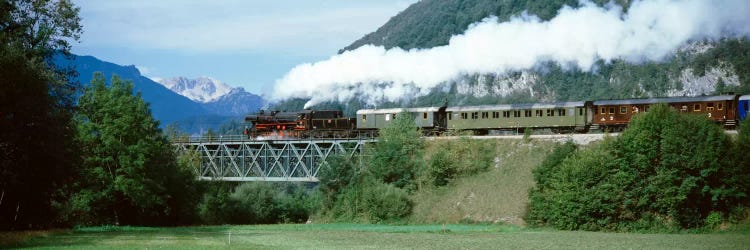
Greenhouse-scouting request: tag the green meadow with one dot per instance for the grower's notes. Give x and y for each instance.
(358, 236)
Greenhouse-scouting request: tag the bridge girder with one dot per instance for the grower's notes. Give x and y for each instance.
(272, 160)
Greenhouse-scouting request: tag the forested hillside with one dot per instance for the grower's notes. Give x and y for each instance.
(430, 23)
(697, 68)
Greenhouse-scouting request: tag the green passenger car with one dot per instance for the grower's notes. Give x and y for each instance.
(428, 118)
(563, 116)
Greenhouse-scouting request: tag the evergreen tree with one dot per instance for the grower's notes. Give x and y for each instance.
(129, 172)
(36, 104)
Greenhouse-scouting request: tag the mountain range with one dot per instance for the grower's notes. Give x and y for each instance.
(201, 89)
(216, 96)
(194, 105)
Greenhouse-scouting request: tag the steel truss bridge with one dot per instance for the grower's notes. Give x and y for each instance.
(240, 159)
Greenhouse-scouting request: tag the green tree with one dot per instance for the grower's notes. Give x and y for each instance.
(335, 177)
(442, 169)
(398, 154)
(129, 173)
(36, 103)
(667, 170)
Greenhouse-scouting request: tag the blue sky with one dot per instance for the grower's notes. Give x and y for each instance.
(244, 43)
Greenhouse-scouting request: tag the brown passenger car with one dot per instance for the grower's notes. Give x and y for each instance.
(617, 113)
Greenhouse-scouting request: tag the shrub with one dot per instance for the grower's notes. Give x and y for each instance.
(527, 134)
(372, 202)
(335, 177)
(215, 205)
(398, 154)
(442, 168)
(538, 199)
(713, 220)
(387, 203)
(666, 170)
(255, 203)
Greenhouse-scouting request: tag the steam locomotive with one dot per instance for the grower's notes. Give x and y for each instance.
(560, 117)
(300, 124)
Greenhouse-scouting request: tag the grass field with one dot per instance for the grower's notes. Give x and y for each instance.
(350, 236)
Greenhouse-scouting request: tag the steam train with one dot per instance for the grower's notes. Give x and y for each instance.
(559, 117)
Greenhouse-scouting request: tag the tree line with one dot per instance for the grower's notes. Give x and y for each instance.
(667, 171)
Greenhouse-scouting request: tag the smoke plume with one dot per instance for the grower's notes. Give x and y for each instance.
(576, 37)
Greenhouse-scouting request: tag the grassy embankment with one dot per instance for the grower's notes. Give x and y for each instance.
(498, 195)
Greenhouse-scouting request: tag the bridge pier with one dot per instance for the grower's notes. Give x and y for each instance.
(271, 160)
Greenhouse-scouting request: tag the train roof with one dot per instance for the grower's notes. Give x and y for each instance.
(550, 105)
(745, 97)
(667, 100)
(397, 110)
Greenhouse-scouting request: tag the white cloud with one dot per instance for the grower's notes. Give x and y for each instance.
(575, 37)
(229, 26)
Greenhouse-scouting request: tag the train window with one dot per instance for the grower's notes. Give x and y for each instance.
(645, 108)
(364, 118)
(550, 112)
(474, 115)
(623, 109)
(603, 110)
(517, 113)
(450, 116)
(710, 106)
(538, 113)
(561, 112)
(611, 110)
(495, 114)
(424, 115)
(580, 111)
(464, 116)
(696, 107)
(506, 114)
(485, 115)
(527, 113)
(720, 106)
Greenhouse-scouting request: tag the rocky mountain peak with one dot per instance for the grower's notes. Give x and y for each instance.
(201, 89)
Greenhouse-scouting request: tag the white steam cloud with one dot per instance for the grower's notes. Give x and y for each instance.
(650, 30)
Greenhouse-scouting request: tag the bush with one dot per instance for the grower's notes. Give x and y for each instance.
(455, 158)
(538, 198)
(256, 203)
(215, 205)
(377, 190)
(666, 170)
(713, 220)
(335, 177)
(387, 203)
(372, 202)
(442, 169)
(398, 154)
